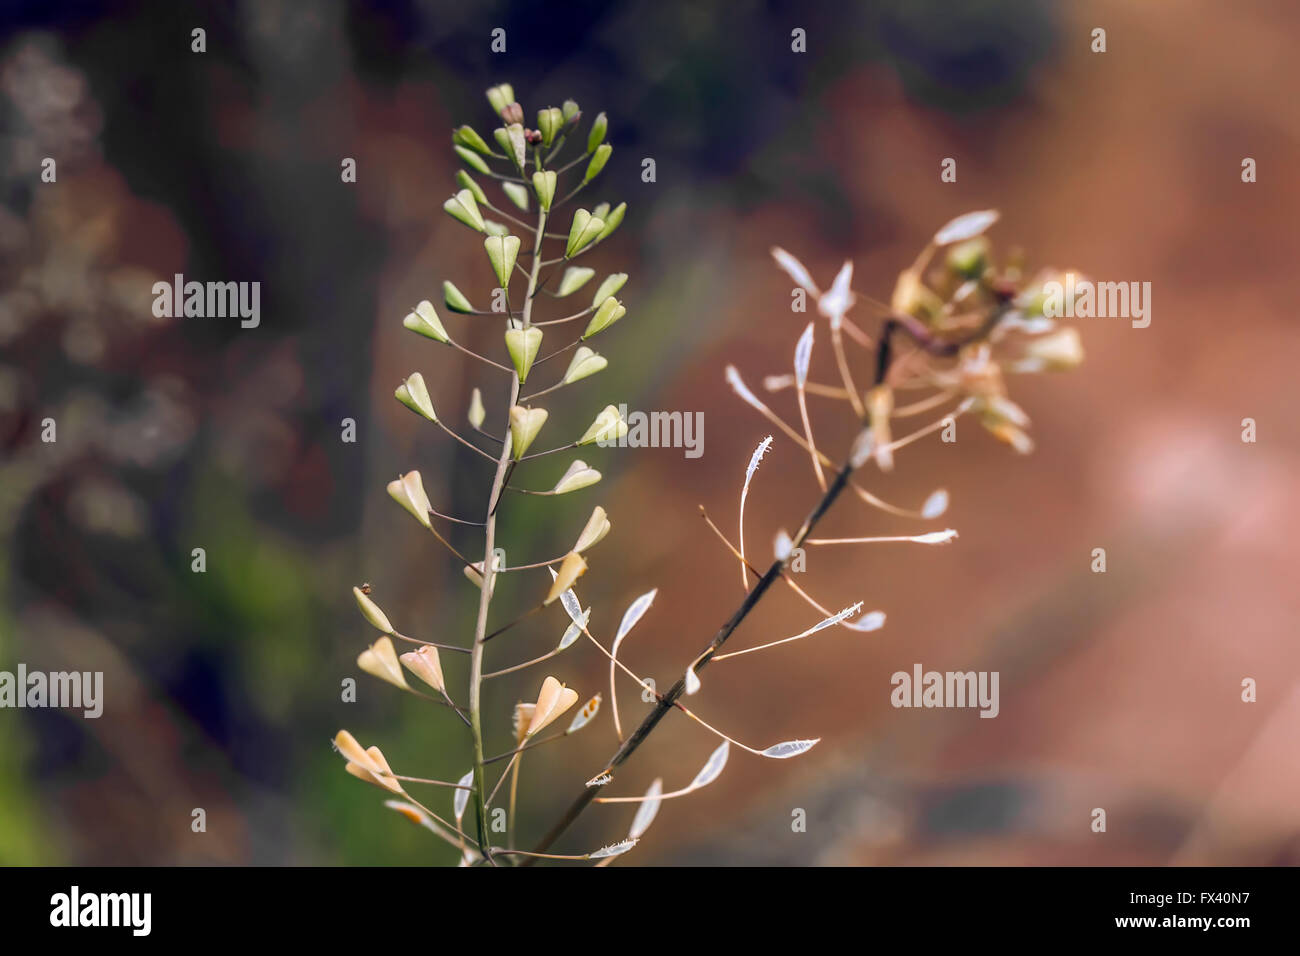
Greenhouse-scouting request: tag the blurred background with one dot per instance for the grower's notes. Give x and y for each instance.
(1119, 690)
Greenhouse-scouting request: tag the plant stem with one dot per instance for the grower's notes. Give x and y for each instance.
(668, 700)
(884, 358)
(489, 573)
(480, 630)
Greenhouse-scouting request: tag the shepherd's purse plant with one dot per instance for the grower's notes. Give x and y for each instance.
(956, 324)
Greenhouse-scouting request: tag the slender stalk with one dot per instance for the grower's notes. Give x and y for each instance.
(489, 572)
(669, 700)
(480, 631)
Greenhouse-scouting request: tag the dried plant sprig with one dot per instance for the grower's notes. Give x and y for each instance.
(956, 316)
(964, 324)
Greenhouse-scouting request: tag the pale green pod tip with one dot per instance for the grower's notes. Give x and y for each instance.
(544, 185)
(585, 362)
(502, 252)
(574, 278)
(514, 143)
(468, 137)
(608, 426)
(415, 395)
(525, 423)
(597, 135)
(408, 491)
(596, 528)
(463, 208)
(612, 221)
(476, 411)
(425, 321)
(471, 159)
(610, 286)
(372, 612)
(610, 311)
(517, 193)
(549, 123)
(578, 476)
(598, 160)
(523, 344)
(466, 181)
(501, 96)
(583, 232)
(454, 299)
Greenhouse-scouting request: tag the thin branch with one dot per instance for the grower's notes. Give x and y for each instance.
(518, 667)
(550, 451)
(668, 700)
(568, 318)
(450, 547)
(444, 647)
(528, 746)
(435, 783)
(468, 444)
(481, 358)
(444, 517)
(560, 351)
(841, 360)
(505, 627)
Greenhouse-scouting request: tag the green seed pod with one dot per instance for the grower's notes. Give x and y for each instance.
(525, 423)
(598, 160)
(466, 181)
(471, 159)
(582, 233)
(585, 362)
(544, 186)
(549, 123)
(371, 611)
(476, 410)
(608, 426)
(518, 194)
(612, 221)
(608, 287)
(574, 278)
(597, 134)
(463, 208)
(454, 299)
(610, 311)
(426, 322)
(467, 137)
(500, 97)
(415, 395)
(522, 344)
(578, 475)
(502, 251)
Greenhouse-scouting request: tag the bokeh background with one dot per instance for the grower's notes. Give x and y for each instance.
(1118, 690)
